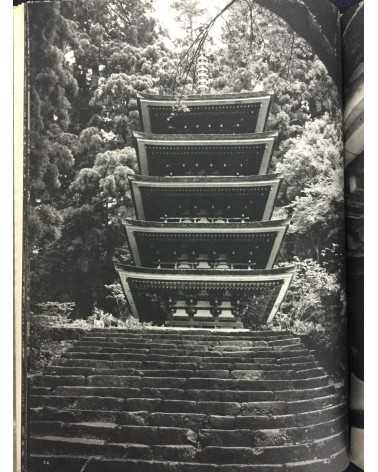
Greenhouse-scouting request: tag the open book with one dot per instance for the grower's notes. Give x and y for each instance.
(188, 257)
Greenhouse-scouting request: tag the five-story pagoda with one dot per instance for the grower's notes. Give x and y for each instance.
(203, 242)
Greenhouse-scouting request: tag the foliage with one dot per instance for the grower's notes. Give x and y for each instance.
(314, 296)
(312, 156)
(116, 99)
(43, 347)
(262, 53)
(89, 59)
(107, 181)
(55, 311)
(116, 298)
(52, 332)
(315, 308)
(99, 197)
(101, 319)
(188, 13)
(312, 188)
(53, 88)
(253, 314)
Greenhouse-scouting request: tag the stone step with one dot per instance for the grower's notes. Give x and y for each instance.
(319, 448)
(186, 400)
(277, 351)
(209, 323)
(177, 382)
(193, 421)
(263, 408)
(109, 364)
(248, 374)
(186, 332)
(112, 432)
(264, 365)
(168, 338)
(161, 435)
(273, 356)
(184, 350)
(191, 394)
(197, 420)
(64, 463)
(208, 345)
(97, 447)
(269, 437)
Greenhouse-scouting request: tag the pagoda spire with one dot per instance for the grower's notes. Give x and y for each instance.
(203, 74)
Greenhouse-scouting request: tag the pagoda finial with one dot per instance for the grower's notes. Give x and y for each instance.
(202, 74)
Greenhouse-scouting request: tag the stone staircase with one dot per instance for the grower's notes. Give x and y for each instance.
(186, 401)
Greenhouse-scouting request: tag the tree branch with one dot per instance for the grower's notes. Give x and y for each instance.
(310, 19)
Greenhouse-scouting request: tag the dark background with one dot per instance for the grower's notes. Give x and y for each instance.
(343, 4)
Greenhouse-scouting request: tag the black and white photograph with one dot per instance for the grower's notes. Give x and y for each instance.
(192, 236)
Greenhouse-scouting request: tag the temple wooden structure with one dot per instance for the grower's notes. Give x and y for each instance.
(204, 243)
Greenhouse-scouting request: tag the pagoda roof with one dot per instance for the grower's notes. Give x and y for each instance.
(203, 179)
(239, 138)
(206, 226)
(200, 97)
(209, 274)
(228, 283)
(249, 197)
(212, 154)
(221, 244)
(227, 113)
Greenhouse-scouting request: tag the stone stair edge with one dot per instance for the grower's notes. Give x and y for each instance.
(118, 465)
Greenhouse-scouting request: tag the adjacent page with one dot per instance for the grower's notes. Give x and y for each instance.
(353, 52)
(184, 239)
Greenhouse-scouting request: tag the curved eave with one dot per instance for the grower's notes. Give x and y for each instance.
(142, 224)
(250, 98)
(230, 232)
(204, 179)
(205, 137)
(204, 274)
(139, 184)
(198, 98)
(142, 142)
(156, 276)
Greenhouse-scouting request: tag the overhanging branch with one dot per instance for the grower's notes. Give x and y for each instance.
(315, 21)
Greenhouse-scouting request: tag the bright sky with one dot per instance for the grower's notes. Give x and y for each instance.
(166, 15)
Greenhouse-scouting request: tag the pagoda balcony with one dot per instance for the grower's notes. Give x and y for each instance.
(161, 198)
(201, 114)
(222, 264)
(199, 220)
(171, 155)
(204, 297)
(218, 246)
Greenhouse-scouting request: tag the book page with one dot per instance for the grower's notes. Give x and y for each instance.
(186, 303)
(19, 160)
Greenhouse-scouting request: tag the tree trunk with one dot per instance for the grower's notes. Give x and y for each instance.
(83, 296)
(313, 20)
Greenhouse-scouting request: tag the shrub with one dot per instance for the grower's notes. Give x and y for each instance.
(314, 308)
(51, 331)
(315, 296)
(116, 298)
(101, 319)
(55, 311)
